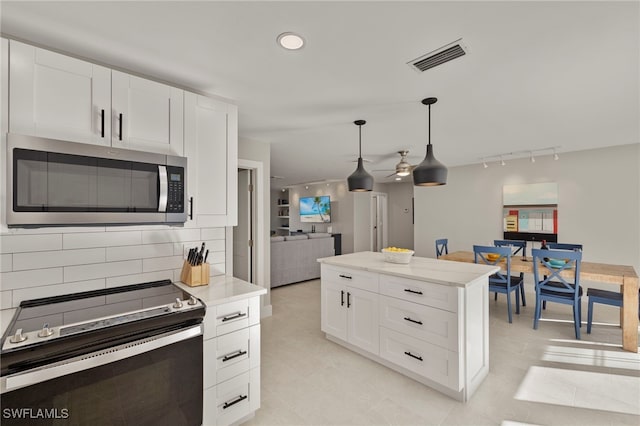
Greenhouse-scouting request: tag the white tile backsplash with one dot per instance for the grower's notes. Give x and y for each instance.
(217, 269)
(215, 245)
(5, 299)
(212, 233)
(162, 263)
(32, 278)
(55, 290)
(6, 262)
(30, 243)
(124, 280)
(101, 239)
(102, 270)
(139, 251)
(171, 236)
(50, 259)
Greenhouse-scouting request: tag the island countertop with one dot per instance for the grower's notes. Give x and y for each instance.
(445, 272)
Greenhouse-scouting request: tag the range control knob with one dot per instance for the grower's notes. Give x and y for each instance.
(18, 337)
(178, 303)
(46, 331)
(192, 300)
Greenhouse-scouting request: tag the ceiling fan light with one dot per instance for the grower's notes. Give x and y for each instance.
(403, 173)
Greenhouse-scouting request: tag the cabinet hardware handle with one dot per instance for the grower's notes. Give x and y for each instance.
(120, 129)
(191, 208)
(348, 299)
(102, 123)
(408, 290)
(235, 355)
(345, 276)
(235, 401)
(341, 297)
(412, 320)
(232, 317)
(419, 358)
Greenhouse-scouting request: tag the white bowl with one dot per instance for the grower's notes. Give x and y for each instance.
(397, 256)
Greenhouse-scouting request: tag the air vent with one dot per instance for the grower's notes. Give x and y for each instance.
(439, 56)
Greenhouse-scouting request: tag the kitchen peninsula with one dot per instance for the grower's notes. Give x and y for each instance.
(428, 319)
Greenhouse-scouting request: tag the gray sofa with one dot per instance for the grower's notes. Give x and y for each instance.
(294, 257)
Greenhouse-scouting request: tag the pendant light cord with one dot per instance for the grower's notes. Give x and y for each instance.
(429, 121)
(360, 141)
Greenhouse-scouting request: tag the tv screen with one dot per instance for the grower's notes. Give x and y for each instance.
(315, 209)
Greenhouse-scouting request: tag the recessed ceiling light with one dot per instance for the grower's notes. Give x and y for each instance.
(290, 41)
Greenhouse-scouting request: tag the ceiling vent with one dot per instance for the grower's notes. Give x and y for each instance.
(439, 56)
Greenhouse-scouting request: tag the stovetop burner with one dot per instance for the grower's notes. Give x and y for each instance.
(73, 323)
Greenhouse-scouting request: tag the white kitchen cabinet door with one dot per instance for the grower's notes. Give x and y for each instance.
(363, 319)
(146, 115)
(58, 97)
(211, 146)
(333, 316)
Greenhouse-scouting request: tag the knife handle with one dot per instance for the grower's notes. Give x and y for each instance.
(205, 256)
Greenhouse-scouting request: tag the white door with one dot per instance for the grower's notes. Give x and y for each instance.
(378, 222)
(363, 319)
(333, 316)
(146, 115)
(58, 97)
(243, 232)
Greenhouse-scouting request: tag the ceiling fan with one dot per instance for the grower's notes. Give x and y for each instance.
(403, 168)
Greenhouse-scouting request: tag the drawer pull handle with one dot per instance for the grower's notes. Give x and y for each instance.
(412, 320)
(419, 358)
(120, 127)
(235, 401)
(235, 355)
(102, 123)
(348, 299)
(341, 297)
(344, 276)
(232, 317)
(408, 290)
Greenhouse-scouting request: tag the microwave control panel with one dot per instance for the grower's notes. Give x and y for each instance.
(175, 195)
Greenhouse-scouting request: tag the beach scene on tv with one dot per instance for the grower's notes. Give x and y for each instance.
(315, 209)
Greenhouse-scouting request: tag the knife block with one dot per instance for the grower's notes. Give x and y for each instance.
(194, 276)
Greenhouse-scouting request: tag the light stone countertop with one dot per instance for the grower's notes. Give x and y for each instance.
(223, 289)
(445, 272)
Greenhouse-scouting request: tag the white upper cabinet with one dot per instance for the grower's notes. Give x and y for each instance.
(58, 97)
(146, 115)
(211, 145)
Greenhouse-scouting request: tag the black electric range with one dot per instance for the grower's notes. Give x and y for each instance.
(53, 329)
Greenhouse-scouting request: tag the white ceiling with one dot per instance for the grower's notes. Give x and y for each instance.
(537, 75)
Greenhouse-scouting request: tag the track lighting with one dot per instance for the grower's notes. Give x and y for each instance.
(555, 154)
(530, 153)
(484, 163)
(502, 163)
(532, 158)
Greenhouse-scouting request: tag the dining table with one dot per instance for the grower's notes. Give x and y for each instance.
(622, 275)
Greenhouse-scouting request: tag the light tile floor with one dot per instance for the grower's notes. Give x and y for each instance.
(540, 377)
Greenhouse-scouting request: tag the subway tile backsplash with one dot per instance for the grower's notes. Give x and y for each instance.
(51, 261)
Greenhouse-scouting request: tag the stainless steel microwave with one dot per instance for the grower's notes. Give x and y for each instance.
(52, 182)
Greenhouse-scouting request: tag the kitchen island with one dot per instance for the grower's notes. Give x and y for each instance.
(428, 319)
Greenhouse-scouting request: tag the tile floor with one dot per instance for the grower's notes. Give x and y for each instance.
(540, 377)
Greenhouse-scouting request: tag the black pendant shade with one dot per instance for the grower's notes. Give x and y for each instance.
(360, 180)
(430, 172)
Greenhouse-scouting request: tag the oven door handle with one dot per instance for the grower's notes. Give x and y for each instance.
(163, 193)
(96, 359)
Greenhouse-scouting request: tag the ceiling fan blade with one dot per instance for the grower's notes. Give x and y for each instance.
(392, 174)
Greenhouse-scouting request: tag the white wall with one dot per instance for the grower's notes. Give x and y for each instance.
(598, 203)
(341, 210)
(399, 207)
(261, 152)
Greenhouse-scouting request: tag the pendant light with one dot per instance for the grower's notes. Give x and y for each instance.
(430, 172)
(360, 180)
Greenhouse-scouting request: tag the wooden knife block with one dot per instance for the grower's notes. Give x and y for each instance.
(194, 276)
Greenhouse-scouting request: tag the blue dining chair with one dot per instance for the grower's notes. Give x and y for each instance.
(502, 281)
(520, 247)
(442, 247)
(564, 246)
(605, 297)
(549, 264)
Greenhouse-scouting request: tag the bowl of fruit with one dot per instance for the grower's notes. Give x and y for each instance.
(397, 255)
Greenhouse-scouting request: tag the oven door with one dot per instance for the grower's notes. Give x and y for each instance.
(147, 382)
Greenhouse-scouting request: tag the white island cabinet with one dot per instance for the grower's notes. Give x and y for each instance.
(231, 349)
(428, 320)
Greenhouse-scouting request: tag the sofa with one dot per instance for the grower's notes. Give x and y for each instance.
(294, 257)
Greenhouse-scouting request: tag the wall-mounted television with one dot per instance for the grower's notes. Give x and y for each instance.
(315, 209)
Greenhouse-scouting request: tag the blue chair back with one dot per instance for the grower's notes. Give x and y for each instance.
(442, 247)
(552, 279)
(520, 245)
(504, 275)
(564, 246)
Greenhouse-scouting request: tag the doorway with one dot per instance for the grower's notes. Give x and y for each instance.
(378, 222)
(244, 256)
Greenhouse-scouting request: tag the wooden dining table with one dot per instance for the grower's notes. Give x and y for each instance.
(624, 276)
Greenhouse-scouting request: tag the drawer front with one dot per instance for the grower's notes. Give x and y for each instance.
(356, 278)
(424, 293)
(427, 360)
(232, 316)
(422, 322)
(237, 398)
(232, 354)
